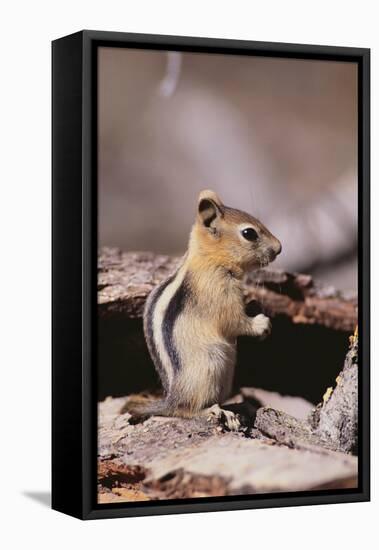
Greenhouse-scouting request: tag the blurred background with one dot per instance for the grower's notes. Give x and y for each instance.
(275, 137)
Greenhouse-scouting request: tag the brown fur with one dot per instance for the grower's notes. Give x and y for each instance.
(208, 323)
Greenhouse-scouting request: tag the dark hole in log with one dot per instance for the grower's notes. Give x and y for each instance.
(296, 359)
(124, 364)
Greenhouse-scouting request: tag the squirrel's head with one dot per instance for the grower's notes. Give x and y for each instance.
(232, 237)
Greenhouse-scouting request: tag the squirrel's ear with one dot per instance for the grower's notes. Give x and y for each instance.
(210, 207)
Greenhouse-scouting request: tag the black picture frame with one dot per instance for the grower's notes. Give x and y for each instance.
(74, 206)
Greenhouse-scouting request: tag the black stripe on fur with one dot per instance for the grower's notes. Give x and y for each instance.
(174, 308)
(149, 333)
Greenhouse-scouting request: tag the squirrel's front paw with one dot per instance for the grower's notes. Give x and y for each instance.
(261, 326)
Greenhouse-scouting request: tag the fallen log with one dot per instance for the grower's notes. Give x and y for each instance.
(184, 458)
(126, 278)
(335, 419)
(333, 424)
(285, 443)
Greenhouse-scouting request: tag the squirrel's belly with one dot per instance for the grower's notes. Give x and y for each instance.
(207, 366)
(206, 380)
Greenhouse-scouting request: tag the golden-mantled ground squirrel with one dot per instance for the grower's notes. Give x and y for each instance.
(193, 318)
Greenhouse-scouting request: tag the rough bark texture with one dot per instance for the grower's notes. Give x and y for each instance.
(292, 447)
(333, 424)
(165, 458)
(336, 418)
(284, 444)
(126, 278)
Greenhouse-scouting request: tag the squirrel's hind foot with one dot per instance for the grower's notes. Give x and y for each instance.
(227, 418)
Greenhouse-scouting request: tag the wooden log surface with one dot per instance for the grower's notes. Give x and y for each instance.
(126, 278)
(335, 419)
(284, 444)
(165, 458)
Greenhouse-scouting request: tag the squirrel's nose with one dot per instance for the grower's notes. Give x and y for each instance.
(275, 251)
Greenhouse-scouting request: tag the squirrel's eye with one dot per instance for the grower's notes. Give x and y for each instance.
(249, 234)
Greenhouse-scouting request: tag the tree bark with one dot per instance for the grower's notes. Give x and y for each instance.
(336, 418)
(285, 443)
(126, 278)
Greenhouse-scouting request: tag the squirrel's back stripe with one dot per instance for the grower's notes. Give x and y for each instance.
(174, 308)
(160, 349)
(149, 334)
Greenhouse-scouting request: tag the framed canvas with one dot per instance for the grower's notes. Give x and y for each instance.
(210, 274)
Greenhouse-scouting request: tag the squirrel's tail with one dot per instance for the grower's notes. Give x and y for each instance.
(141, 408)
